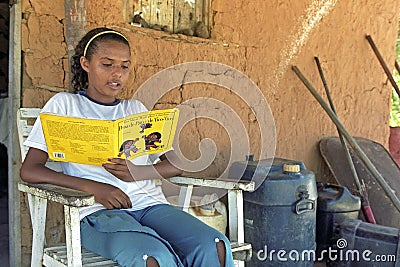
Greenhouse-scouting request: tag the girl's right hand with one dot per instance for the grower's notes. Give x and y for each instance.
(33, 170)
(111, 197)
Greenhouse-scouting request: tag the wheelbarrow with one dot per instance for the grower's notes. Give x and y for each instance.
(332, 152)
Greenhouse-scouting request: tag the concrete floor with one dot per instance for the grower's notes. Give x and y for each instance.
(4, 253)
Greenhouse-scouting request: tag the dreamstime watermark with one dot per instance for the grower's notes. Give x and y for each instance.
(339, 254)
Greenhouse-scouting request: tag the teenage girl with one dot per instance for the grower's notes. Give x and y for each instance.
(131, 222)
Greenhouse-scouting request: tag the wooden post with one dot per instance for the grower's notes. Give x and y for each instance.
(75, 24)
(127, 8)
(14, 158)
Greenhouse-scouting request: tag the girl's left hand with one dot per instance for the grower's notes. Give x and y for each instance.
(121, 168)
(126, 171)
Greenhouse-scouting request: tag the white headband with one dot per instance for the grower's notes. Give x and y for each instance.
(97, 35)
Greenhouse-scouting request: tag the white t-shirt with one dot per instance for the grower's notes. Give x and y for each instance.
(142, 193)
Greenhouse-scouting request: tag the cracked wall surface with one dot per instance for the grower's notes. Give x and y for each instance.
(44, 50)
(262, 40)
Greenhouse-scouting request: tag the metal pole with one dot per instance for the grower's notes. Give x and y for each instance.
(350, 139)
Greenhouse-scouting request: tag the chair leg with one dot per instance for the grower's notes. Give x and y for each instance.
(185, 195)
(73, 236)
(236, 218)
(37, 208)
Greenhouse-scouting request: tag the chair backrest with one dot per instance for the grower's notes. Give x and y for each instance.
(26, 117)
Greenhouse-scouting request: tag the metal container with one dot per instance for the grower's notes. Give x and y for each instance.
(280, 216)
(335, 204)
(362, 244)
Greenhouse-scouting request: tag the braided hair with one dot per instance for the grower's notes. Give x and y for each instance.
(86, 47)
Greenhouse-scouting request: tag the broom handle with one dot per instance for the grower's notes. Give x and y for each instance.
(366, 208)
(344, 144)
(350, 140)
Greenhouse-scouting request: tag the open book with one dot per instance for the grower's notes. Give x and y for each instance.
(93, 141)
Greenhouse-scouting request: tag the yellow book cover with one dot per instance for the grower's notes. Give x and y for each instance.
(93, 141)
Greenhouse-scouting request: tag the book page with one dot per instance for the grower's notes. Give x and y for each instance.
(78, 140)
(147, 133)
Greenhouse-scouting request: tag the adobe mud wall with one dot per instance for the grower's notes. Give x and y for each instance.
(262, 40)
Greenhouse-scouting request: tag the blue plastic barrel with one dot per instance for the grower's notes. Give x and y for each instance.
(280, 216)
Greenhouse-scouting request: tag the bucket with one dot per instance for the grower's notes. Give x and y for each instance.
(280, 216)
(216, 219)
(335, 204)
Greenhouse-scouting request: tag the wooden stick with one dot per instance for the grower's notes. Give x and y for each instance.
(366, 208)
(397, 66)
(351, 141)
(383, 64)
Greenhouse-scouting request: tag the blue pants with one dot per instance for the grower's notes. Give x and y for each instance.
(171, 236)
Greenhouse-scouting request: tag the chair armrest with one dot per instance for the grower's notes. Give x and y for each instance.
(62, 195)
(215, 183)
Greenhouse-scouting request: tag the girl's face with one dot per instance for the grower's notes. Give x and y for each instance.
(108, 70)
